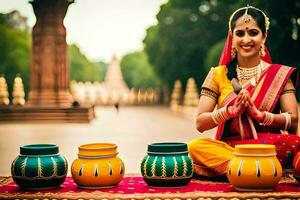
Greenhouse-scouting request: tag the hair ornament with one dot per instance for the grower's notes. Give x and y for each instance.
(247, 17)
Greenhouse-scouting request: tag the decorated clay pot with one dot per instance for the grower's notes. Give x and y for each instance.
(97, 166)
(39, 166)
(296, 166)
(254, 167)
(167, 165)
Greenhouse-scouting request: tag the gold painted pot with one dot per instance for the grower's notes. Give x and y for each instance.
(254, 167)
(97, 166)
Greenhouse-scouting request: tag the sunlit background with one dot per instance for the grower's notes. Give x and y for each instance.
(156, 41)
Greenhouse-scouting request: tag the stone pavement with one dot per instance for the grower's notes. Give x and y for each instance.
(131, 129)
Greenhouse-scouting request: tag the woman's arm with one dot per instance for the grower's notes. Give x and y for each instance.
(207, 119)
(204, 119)
(288, 103)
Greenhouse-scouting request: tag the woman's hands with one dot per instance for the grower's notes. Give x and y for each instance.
(244, 102)
(253, 111)
(239, 105)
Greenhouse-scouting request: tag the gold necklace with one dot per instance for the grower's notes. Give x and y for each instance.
(246, 73)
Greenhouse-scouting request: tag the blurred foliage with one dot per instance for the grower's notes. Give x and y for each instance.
(81, 68)
(14, 55)
(177, 46)
(213, 54)
(138, 72)
(102, 70)
(186, 42)
(189, 33)
(15, 48)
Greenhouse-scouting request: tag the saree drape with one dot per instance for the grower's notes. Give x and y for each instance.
(212, 156)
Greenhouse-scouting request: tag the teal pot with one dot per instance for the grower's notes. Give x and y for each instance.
(38, 167)
(167, 165)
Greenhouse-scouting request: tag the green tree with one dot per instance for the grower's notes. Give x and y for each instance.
(14, 55)
(213, 54)
(102, 70)
(80, 67)
(180, 45)
(138, 72)
(284, 34)
(177, 46)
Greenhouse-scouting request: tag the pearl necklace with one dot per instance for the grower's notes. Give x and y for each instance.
(246, 73)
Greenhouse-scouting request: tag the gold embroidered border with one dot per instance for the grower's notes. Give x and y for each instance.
(210, 82)
(209, 93)
(228, 98)
(270, 96)
(288, 91)
(216, 195)
(199, 195)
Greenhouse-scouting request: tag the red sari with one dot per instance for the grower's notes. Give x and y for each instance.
(265, 95)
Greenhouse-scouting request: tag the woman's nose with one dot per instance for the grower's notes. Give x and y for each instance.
(246, 38)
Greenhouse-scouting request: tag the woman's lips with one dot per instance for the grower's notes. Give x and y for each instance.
(247, 48)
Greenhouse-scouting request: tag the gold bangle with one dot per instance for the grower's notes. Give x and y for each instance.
(268, 119)
(288, 120)
(220, 115)
(213, 116)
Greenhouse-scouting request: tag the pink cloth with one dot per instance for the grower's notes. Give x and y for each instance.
(136, 184)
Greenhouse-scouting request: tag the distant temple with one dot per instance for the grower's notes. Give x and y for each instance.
(114, 84)
(113, 90)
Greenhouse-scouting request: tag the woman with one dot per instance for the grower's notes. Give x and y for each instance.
(255, 100)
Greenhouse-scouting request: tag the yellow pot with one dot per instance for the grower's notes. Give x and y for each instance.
(97, 166)
(254, 167)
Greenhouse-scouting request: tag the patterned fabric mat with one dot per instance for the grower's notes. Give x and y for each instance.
(134, 187)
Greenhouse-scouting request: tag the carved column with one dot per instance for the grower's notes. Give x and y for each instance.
(49, 81)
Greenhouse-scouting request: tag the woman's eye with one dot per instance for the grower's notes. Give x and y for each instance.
(253, 32)
(240, 33)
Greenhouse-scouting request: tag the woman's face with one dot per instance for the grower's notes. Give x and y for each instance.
(247, 37)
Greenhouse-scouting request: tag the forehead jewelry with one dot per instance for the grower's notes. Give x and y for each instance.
(247, 17)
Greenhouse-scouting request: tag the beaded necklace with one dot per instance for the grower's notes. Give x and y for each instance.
(252, 73)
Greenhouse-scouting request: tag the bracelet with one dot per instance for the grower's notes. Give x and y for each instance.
(288, 120)
(220, 115)
(268, 120)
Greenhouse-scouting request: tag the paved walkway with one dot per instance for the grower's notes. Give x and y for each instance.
(131, 129)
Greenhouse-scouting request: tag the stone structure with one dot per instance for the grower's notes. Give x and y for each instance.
(18, 92)
(4, 100)
(49, 97)
(188, 106)
(191, 97)
(114, 84)
(49, 81)
(176, 96)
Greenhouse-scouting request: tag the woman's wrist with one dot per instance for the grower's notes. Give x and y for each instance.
(260, 116)
(220, 115)
(267, 119)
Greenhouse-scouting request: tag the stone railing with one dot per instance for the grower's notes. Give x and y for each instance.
(97, 94)
(185, 104)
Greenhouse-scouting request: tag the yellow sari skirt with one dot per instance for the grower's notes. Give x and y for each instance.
(210, 157)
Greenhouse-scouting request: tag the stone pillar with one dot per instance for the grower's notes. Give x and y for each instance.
(49, 81)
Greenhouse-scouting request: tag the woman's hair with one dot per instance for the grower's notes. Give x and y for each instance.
(261, 22)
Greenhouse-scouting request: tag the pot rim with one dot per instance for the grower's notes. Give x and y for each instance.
(97, 149)
(39, 149)
(258, 149)
(167, 147)
(105, 146)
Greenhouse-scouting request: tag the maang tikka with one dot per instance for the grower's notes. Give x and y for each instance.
(246, 17)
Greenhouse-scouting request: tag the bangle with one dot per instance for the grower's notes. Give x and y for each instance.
(268, 119)
(288, 120)
(220, 115)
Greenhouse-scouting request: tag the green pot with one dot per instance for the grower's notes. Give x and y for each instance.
(167, 165)
(39, 166)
